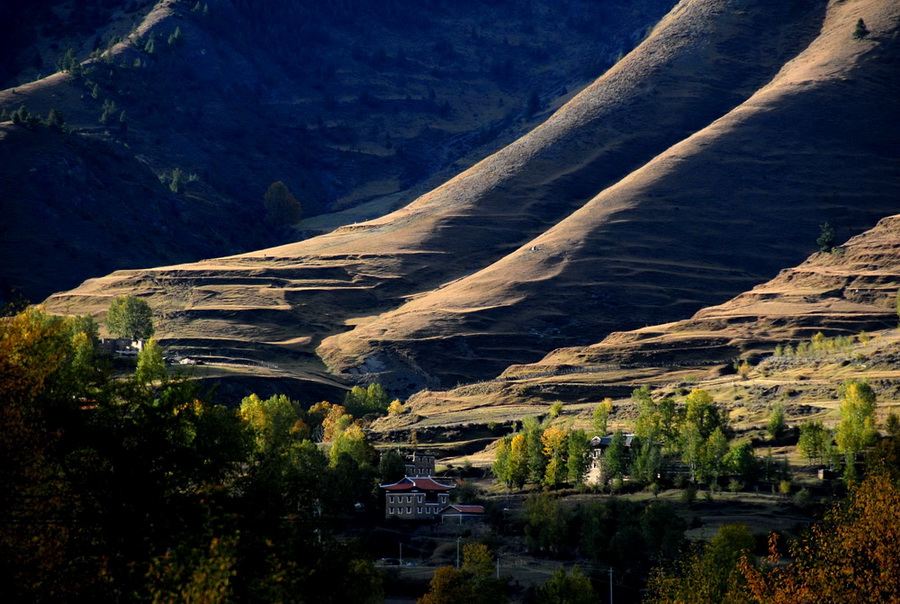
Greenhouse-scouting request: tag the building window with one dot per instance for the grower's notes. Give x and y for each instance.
(419, 509)
(409, 510)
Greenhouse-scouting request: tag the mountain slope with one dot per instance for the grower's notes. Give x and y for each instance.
(843, 293)
(666, 138)
(721, 210)
(344, 102)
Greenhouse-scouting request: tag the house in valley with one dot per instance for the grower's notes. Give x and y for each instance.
(416, 498)
(459, 513)
(599, 445)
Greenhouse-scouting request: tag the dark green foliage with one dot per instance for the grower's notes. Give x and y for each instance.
(534, 448)
(119, 490)
(25, 118)
(569, 589)
(282, 208)
(622, 533)
(860, 31)
(391, 467)
(827, 237)
(615, 459)
(150, 44)
(55, 121)
(708, 574)
(547, 525)
(175, 37)
(109, 111)
(742, 462)
(69, 63)
(579, 460)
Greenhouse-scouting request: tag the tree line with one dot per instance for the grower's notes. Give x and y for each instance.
(134, 486)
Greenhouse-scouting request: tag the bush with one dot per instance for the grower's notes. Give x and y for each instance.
(803, 498)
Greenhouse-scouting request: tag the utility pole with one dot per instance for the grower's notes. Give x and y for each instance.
(457, 551)
(610, 586)
(498, 567)
(401, 553)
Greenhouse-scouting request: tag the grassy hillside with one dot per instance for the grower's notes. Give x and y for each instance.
(841, 294)
(721, 210)
(698, 166)
(346, 104)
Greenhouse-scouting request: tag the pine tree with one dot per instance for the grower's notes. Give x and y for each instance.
(826, 237)
(282, 208)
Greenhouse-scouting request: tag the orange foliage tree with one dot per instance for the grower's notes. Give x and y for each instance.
(852, 555)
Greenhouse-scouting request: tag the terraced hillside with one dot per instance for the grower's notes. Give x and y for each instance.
(839, 294)
(698, 166)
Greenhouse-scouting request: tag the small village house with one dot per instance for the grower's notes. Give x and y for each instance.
(416, 498)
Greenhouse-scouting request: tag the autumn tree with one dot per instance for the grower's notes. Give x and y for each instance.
(473, 583)
(852, 555)
(282, 208)
(130, 317)
(194, 575)
(554, 441)
(276, 422)
(352, 441)
(34, 536)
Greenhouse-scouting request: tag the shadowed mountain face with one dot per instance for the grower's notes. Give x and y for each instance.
(854, 288)
(347, 103)
(699, 165)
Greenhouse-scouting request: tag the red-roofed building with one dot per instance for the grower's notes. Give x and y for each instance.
(416, 498)
(458, 512)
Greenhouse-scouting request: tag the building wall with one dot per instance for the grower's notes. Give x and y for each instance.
(414, 506)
